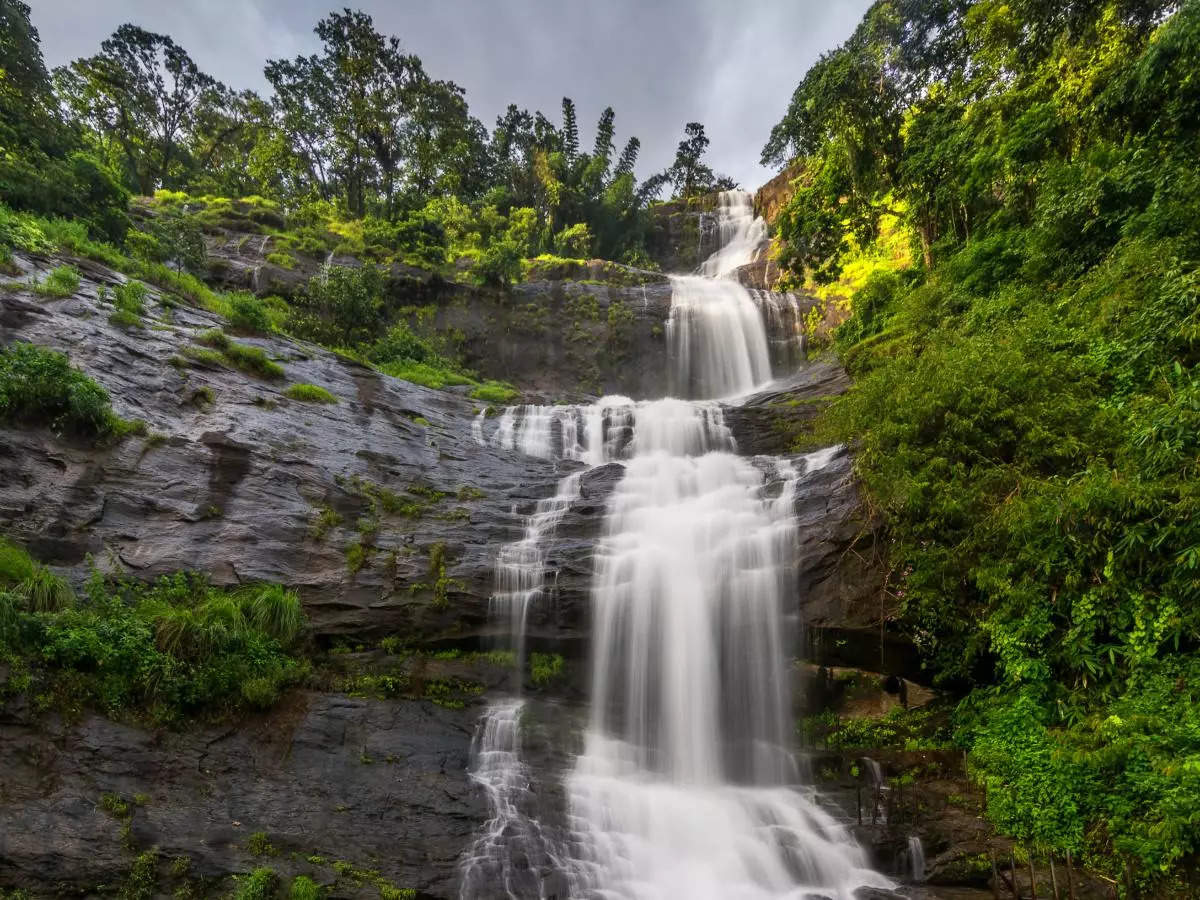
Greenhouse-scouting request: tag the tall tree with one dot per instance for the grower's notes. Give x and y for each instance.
(368, 123)
(139, 96)
(570, 131)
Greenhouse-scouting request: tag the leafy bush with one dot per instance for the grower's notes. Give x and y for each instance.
(574, 242)
(172, 238)
(258, 885)
(78, 186)
(63, 281)
(248, 313)
(310, 393)
(39, 387)
(341, 308)
(163, 651)
(499, 265)
(130, 302)
(545, 668)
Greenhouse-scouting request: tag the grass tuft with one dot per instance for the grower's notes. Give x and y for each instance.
(309, 393)
(61, 282)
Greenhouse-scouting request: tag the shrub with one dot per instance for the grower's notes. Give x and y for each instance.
(340, 308)
(258, 885)
(309, 393)
(282, 259)
(574, 241)
(545, 667)
(63, 281)
(248, 313)
(259, 844)
(23, 233)
(499, 265)
(38, 386)
(162, 651)
(130, 302)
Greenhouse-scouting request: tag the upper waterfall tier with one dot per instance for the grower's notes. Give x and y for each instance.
(716, 332)
(742, 235)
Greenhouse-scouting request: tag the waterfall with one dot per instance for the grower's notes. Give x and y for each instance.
(715, 331)
(686, 786)
(916, 858)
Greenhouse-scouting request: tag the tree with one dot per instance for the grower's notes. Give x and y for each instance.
(570, 131)
(43, 167)
(139, 96)
(689, 173)
(367, 124)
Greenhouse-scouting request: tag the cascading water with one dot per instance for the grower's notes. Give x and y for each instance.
(685, 786)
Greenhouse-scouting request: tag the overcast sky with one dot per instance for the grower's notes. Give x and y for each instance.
(731, 64)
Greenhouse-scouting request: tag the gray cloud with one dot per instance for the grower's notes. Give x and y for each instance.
(658, 63)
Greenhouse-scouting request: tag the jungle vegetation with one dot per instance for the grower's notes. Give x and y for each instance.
(1026, 406)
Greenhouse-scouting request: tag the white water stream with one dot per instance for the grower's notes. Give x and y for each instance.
(686, 786)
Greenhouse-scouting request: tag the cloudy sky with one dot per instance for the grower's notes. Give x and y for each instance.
(731, 64)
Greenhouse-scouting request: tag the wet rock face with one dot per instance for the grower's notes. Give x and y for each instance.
(236, 480)
(576, 329)
(379, 785)
(682, 235)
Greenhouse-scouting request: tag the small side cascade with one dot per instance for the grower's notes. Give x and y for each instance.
(916, 859)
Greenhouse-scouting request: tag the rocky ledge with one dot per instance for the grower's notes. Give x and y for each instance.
(385, 514)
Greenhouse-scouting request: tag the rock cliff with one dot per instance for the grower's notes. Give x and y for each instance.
(385, 514)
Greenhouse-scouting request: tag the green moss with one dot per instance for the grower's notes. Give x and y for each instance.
(115, 805)
(252, 360)
(124, 319)
(142, 881)
(309, 393)
(203, 396)
(357, 556)
(203, 355)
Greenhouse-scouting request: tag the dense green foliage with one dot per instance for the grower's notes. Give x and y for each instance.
(1027, 402)
(39, 387)
(356, 134)
(44, 166)
(161, 651)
